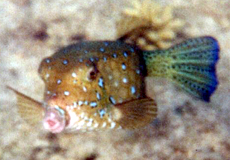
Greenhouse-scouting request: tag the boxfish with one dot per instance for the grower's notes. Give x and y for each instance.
(99, 85)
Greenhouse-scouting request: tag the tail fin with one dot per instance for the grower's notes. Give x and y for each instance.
(190, 64)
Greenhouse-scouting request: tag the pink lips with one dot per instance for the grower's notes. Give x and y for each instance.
(53, 121)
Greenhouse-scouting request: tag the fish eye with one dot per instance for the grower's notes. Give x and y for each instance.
(92, 74)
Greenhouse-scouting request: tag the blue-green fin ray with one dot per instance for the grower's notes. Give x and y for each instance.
(190, 64)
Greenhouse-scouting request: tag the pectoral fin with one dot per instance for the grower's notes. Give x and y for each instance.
(135, 114)
(29, 109)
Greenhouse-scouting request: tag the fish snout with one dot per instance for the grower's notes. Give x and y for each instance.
(54, 121)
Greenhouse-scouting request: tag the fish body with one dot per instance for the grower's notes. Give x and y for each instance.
(100, 84)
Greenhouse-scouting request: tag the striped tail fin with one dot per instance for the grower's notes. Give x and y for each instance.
(190, 64)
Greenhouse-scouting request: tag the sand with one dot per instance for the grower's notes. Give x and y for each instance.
(185, 129)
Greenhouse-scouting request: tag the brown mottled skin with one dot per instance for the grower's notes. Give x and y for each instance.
(118, 64)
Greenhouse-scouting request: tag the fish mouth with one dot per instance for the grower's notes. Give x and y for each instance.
(54, 119)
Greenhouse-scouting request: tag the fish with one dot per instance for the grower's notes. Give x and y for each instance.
(99, 85)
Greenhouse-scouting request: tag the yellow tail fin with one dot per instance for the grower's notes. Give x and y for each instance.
(190, 64)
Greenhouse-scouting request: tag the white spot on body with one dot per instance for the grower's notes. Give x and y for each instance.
(85, 51)
(113, 124)
(66, 93)
(125, 80)
(138, 71)
(104, 124)
(75, 104)
(47, 92)
(110, 120)
(116, 83)
(74, 75)
(89, 124)
(110, 77)
(123, 66)
(82, 115)
(84, 89)
(78, 127)
(105, 59)
(96, 125)
(74, 119)
(86, 118)
(47, 75)
(69, 107)
(81, 123)
(86, 103)
(80, 103)
(58, 81)
(74, 81)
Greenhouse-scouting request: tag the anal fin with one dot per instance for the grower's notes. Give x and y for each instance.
(29, 109)
(135, 114)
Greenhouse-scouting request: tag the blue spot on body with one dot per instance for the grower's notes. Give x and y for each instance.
(96, 58)
(65, 62)
(47, 60)
(112, 100)
(138, 71)
(106, 43)
(102, 112)
(132, 50)
(105, 59)
(123, 66)
(102, 49)
(101, 82)
(93, 104)
(114, 55)
(125, 54)
(98, 96)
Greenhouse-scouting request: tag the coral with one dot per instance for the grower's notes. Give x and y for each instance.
(149, 25)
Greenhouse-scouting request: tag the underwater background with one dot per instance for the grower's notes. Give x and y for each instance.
(185, 129)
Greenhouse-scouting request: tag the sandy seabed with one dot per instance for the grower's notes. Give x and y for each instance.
(186, 129)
